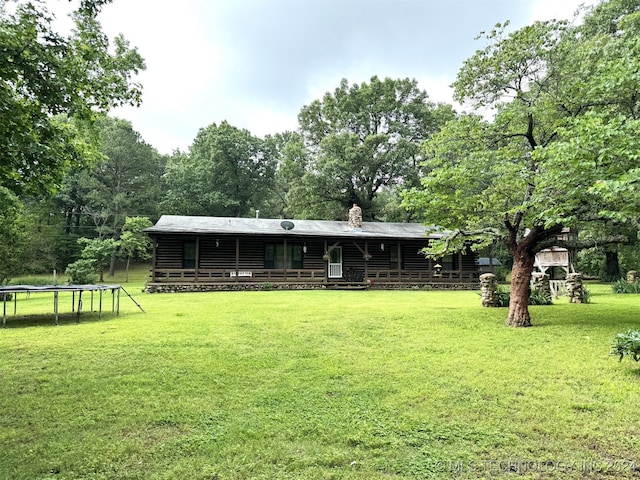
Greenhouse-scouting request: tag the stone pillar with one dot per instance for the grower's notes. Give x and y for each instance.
(540, 283)
(489, 288)
(575, 290)
(632, 276)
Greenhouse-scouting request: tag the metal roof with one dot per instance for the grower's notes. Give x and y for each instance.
(301, 228)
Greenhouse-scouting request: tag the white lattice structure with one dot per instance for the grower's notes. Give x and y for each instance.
(556, 256)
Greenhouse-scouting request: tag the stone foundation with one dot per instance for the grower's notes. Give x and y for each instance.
(632, 276)
(423, 286)
(228, 287)
(231, 287)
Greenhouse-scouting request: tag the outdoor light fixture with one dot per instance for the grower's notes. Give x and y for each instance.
(437, 270)
(304, 247)
(217, 243)
(382, 247)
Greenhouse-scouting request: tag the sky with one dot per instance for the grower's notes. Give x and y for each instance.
(256, 63)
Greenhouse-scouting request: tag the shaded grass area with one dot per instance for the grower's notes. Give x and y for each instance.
(138, 273)
(319, 385)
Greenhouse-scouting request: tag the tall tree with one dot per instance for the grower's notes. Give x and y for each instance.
(47, 77)
(99, 251)
(562, 148)
(134, 242)
(11, 234)
(126, 180)
(358, 141)
(228, 172)
(276, 204)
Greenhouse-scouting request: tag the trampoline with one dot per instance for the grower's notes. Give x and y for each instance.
(6, 292)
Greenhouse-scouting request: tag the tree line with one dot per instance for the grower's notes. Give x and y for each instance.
(559, 151)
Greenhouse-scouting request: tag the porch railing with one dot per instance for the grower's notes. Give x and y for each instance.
(191, 275)
(257, 275)
(421, 276)
(558, 287)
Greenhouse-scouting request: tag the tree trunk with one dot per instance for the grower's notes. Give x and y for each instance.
(523, 261)
(112, 265)
(611, 266)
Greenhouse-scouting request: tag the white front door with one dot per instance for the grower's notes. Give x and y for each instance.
(335, 263)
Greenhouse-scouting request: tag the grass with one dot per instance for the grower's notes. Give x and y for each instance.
(138, 273)
(319, 385)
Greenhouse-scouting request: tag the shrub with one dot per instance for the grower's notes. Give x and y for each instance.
(267, 286)
(503, 297)
(627, 344)
(537, 298)
(82, 272)
(622, 286)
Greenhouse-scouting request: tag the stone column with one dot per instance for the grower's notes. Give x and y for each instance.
(575, 290)
(632, 276)
(540, 283)
(489, 289)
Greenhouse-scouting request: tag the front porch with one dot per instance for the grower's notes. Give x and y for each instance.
(191, 279)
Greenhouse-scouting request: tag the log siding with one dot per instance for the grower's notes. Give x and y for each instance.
(228, 260)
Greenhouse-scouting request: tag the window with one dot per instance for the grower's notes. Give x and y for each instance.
(189, 254)
(274, 256)
(449, 262)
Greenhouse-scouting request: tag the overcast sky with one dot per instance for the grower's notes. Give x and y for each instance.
(256, 63)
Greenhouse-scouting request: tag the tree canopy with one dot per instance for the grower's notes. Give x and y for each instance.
(562, 148)
(11, 234)
(228, 172)
(47, 78)
(358, 141)
(125, 180)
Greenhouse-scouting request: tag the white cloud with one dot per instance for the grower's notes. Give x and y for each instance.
(181, 62)
(256, 63)
(267, 120)
(437, 87)
(556, 9)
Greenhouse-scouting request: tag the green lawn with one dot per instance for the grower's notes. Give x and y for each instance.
(319, 385)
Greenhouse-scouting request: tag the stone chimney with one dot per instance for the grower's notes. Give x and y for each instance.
(355, 217)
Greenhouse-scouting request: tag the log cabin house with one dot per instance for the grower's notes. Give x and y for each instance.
(197, 253)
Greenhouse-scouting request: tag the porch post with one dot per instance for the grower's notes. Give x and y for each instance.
(197, 265)
(285, 259)
(154, 259)
(237, 257)
(366, 264)
(326, 265)
(460, 265)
